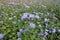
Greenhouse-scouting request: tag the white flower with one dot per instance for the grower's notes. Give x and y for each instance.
(11, 13)
(14, 22)
(1, 22)
(36, 13)
(38, 22)
(46, 20)
(46, 30)
(50, 31)
(32, 25)
(48, 13)
(21, 30)
(18, 20)
(10, 18)
(14, 16)
(40, 25)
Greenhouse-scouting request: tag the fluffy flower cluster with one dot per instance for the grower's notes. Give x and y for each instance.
(32, 25)
(21, 31)
(30, 16)
(2, 36)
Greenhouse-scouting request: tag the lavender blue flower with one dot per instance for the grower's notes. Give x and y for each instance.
(46, 20)
(31, 16)
(46, 33)
(19, 39)
(45, 0)
(40, 34)
(18, 33)
(43, 6)
(25, 15)
(53, 30)
(1, 36)
(13, 3)
(26, 30)
(37, 17)
(26, 6)
(46, 25)
(58, 30)
(21, 30)
(32, 25)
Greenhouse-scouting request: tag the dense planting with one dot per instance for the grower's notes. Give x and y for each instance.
(29, 22)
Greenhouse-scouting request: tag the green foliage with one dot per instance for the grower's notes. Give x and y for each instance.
(10, 29)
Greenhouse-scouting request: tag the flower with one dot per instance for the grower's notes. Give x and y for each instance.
(10, 18)
(45, 0)
(18, 20)
(46, 30)
(31, 16)
(50, 31)
(43, 6)
(19, 39)
(46, 33)
(38, 22)
(46, 25)
(40, 25)
(53, 30)
(37, 17)
(13, 3)
(1, 36)
(46, 20)
(25, 15)
(30, 2)
(40, 34)
(14, 16)
(18, 33)
(26, 6)
(21, 30)
(26, 30)
(32, 25)
(14, 22)
(1, 22)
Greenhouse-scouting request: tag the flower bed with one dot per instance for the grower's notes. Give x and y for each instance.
(29, 22)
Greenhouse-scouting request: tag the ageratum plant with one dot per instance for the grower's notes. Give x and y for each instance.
(29, 22)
